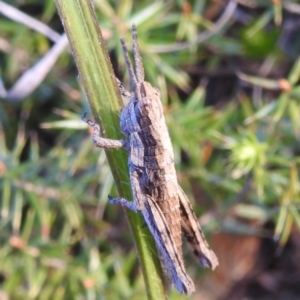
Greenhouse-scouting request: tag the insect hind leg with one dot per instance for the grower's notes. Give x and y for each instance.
(124, 202)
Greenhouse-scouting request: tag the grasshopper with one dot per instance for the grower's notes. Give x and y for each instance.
(156, 192)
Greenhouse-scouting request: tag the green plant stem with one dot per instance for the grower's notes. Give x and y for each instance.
(97, 78)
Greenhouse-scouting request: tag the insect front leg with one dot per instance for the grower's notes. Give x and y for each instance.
(103, 142)
(122, 89)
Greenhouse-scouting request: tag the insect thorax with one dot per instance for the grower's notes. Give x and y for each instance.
(140, 114)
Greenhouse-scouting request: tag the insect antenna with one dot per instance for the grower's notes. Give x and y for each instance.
(133, 80)
(139, 69)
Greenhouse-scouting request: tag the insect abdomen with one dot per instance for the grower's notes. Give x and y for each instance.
(163, 188)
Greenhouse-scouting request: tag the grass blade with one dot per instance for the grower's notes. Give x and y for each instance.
(96, 75)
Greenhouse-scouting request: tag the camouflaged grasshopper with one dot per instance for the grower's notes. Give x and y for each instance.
(156, 193)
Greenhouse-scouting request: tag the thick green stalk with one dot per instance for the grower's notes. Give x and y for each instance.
(96, 75)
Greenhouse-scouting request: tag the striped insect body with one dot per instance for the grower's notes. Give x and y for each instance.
(156, 192)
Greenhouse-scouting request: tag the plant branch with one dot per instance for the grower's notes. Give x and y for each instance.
(97, 78)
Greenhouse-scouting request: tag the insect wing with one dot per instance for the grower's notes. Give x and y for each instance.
(158, 226)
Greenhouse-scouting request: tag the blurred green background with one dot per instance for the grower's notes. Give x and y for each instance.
(228, 73)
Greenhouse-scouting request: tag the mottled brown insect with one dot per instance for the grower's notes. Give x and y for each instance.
(156, 193)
